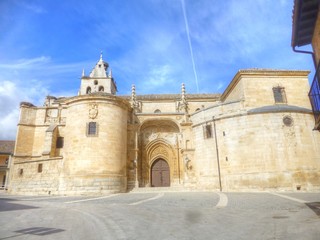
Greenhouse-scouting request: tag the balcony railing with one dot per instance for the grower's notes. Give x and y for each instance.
(314, 96)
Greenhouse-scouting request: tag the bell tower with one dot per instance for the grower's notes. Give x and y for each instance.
(99, 80)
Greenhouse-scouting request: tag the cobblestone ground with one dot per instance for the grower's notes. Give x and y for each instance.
(158, 215)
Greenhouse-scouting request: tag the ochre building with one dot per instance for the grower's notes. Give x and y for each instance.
(256, 135)
(6, 151)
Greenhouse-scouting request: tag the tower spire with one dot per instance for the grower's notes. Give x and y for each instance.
(100, 55)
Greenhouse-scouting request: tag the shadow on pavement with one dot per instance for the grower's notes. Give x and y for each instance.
(7, 205)
(314, 206)
(38, 231)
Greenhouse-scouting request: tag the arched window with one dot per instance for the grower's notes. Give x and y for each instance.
(157, 111)
(88, 90)
(101, 89)
(95, 82)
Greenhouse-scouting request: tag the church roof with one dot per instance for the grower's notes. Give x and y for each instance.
(279, 108)
(175, 96)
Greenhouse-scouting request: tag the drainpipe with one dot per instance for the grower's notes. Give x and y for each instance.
(136, 182)
(306, 52)
(217, 151)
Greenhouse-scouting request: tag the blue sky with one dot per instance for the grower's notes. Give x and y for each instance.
(154, 44)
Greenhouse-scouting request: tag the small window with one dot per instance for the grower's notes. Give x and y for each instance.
(157, 111)
(39, 167)
(88, 90)
(198, 109)
(21, 171)
(95, 82)
(101, 89)
(279, 95)
(207, 131)
(60, 141)
(92, 129)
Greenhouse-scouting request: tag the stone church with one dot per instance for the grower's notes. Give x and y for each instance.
(256, 135)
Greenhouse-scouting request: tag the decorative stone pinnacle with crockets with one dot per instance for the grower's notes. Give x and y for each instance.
(184, 103)
(134, 103)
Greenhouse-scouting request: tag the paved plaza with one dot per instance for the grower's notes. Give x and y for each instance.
(162, 215)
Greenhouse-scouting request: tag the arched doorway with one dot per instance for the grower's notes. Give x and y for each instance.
(160, 173)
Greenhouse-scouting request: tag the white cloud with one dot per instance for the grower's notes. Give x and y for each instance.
(11, 94)
(31, 63)
(158, 77)
(31, 7)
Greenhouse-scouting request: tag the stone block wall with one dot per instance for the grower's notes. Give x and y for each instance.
(260, 152)
(30, 179)
(258, 89)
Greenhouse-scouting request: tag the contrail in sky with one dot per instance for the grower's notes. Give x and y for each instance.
(190, 45)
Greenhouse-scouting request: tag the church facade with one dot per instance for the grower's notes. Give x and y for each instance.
(256, 135)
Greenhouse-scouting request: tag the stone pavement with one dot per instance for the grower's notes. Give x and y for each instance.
(162, 215)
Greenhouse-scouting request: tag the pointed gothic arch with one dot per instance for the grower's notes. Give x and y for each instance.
(158, 140)
(155, 150)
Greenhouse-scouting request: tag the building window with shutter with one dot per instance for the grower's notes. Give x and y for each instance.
(279, 95)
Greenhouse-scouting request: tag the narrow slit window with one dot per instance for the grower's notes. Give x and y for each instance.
(39, 167)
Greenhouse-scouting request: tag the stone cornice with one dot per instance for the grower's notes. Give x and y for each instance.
(35, 160)
(100, 98)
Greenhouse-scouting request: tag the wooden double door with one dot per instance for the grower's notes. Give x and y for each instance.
(160, 174)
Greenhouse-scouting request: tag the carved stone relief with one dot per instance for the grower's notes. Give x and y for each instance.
(159, 151)
(93, 111)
